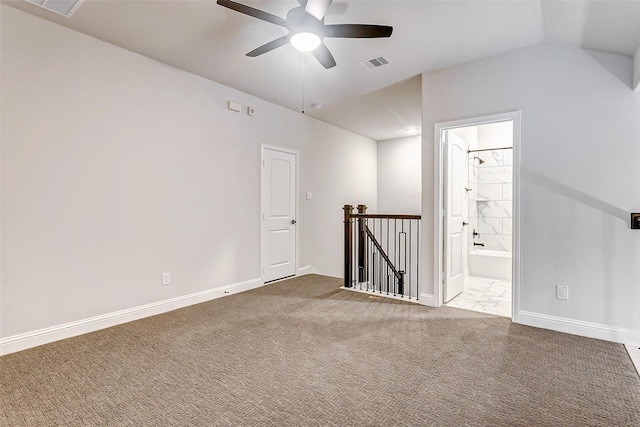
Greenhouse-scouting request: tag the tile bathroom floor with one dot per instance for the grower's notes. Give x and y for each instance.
(491, 296)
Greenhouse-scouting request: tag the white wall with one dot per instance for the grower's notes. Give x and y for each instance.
(636, 70)
(469, 134)
(399, 176)
(116, 168)
(580, 176)
(495, 135)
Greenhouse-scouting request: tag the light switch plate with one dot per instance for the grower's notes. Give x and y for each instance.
(234, 106)
(309, 195)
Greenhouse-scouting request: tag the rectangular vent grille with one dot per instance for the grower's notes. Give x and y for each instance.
(370, 64)
(61, 7)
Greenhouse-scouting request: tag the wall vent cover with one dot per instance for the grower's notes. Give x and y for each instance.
(61, 7)
(370, 64)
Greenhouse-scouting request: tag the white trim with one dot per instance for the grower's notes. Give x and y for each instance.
(579, 327)
(438, 223)
(55, 333)
(634, 354)
(378, 294)
(428, 300)
(307, 269)
(515, 116)
(262, 194)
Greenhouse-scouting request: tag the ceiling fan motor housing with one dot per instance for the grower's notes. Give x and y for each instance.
(299, 21)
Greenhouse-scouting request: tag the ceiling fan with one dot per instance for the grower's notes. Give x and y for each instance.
(307, 29)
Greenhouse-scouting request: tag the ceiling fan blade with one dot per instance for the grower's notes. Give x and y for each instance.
(269, 46)
(357, 31)
(317, 8)
(336, 9)
(251, 11)
(324, 57)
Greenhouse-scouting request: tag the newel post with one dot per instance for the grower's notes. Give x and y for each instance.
(348, 253)
(362, 248)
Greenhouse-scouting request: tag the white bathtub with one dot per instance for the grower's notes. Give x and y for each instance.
(490, 264)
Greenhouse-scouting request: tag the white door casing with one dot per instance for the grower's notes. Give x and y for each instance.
(436, 299)
(279, 189)
(454, 222)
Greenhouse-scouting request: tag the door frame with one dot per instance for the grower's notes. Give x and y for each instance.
(439, 155)
(263, 245)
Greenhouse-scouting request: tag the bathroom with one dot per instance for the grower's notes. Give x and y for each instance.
(489, 194)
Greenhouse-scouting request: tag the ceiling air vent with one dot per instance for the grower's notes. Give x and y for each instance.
(370, 64)
(61, 7)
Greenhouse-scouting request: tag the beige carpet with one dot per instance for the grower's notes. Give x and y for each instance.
(303, 353)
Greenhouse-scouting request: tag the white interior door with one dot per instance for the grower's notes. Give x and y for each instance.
(455, 214)
(279, 177)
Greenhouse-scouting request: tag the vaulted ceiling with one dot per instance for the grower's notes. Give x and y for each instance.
(206, 39)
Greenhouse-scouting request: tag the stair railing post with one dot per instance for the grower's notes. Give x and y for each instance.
(348, 251)
(362, 246)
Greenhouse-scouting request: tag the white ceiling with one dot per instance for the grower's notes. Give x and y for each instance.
(209, 40)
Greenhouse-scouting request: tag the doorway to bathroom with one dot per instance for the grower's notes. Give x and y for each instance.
(478, 191)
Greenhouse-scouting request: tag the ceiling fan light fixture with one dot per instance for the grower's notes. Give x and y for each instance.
(305, 41)
(307, 28)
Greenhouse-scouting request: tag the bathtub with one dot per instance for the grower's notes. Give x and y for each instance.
(490, 264)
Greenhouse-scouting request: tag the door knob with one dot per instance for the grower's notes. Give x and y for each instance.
(464, 223)
(293, 221)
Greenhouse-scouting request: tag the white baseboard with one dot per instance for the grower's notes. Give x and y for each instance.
(31, 339)
(634, 354)
(578, 327)
(428, 299)
(382, 295)
(307, 269)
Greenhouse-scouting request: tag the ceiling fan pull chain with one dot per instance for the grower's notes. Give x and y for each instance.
(302, 53)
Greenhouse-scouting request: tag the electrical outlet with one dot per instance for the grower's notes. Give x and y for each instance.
(166, 279)
(562, 292)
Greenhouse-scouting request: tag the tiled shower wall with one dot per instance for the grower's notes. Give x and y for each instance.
(491, 198)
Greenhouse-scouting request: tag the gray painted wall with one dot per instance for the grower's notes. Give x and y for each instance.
(116, 168)
(579, 177)
(399, 176)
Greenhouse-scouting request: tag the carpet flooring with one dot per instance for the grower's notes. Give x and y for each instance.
(303, 352)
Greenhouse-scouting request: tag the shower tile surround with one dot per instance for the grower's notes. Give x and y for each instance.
(490, 198)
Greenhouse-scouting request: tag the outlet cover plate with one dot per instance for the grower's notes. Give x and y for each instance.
(166, 279)
(562, 292)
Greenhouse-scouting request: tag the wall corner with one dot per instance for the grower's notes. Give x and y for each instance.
(636, 70)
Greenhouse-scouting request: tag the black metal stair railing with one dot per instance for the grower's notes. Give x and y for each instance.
(381, 252)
